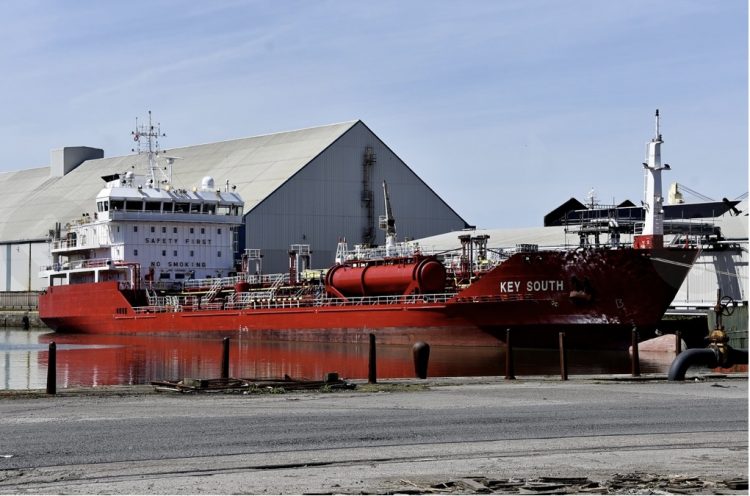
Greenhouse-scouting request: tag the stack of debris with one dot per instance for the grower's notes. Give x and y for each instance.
(251, 385)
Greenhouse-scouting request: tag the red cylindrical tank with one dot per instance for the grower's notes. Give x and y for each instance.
(424, 276)
(242, 287)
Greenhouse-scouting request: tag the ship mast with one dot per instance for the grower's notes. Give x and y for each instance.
(653, 201)
(147, 137)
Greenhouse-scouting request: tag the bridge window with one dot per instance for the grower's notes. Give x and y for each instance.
(117, 205)
(153, 206)
(133, 206)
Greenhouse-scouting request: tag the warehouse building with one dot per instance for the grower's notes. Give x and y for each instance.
(313, 187)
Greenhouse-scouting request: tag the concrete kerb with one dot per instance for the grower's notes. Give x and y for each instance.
(388, 385)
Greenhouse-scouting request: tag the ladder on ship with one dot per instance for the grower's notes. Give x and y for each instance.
(151, 297)
(212, 291)
(276, 285)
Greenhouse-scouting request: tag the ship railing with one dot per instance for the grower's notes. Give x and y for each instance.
(253, 279)
(92, 263)
(500, 297)
(256, 301)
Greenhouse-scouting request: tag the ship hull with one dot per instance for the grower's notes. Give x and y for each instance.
(596, 297)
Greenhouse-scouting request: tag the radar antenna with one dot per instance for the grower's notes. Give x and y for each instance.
(146, 137)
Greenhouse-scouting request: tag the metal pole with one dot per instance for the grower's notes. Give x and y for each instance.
(509, 372)
(225, 359)
(52, 369)
(677, 342)
(372, 370)
(635, 361)
(563, 358)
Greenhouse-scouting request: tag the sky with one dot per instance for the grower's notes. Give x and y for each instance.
(505, 108)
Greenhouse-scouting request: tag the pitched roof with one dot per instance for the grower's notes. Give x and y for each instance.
(32, 201)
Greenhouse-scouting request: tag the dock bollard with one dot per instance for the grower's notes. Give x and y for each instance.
(635, 360)
(563, 359)
(421, 353)
(52, 369)
(677, 342)
(510, 374)
(372, 369)
(225, 359)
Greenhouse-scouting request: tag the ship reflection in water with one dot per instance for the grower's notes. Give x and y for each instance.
(102, 360)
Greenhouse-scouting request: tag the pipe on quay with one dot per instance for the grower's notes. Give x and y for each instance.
(709, 357)
(688, 358)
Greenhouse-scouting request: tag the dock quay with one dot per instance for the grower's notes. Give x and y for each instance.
(598, 434)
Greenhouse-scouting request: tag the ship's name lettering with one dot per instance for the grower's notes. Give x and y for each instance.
(531, 286)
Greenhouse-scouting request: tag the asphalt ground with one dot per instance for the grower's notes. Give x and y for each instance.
(442, 435)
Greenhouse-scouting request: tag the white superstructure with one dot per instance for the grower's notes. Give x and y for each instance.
(145, 230)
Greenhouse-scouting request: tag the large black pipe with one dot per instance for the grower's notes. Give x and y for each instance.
(737, 357)
(688, 358)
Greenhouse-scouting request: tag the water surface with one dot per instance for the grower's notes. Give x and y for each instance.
(101, 360)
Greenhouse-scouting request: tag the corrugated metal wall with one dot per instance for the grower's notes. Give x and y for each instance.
(15, 261)
(725, 269)
(323, 203)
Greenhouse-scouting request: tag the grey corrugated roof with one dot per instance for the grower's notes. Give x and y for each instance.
(733, 228)
(32, 202)
(501, 238)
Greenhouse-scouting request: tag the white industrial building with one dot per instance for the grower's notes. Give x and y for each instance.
(312, 186)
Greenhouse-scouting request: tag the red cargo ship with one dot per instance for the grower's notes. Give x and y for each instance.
(100, 283)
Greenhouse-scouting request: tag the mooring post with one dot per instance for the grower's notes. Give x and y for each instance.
(510, 374)
(52, 369)
(563, 358)
(421, 354)
(225, 359)
(372, 369)
(635, 361)
(677, 342)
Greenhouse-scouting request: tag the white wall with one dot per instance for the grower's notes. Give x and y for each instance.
(14, 265)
